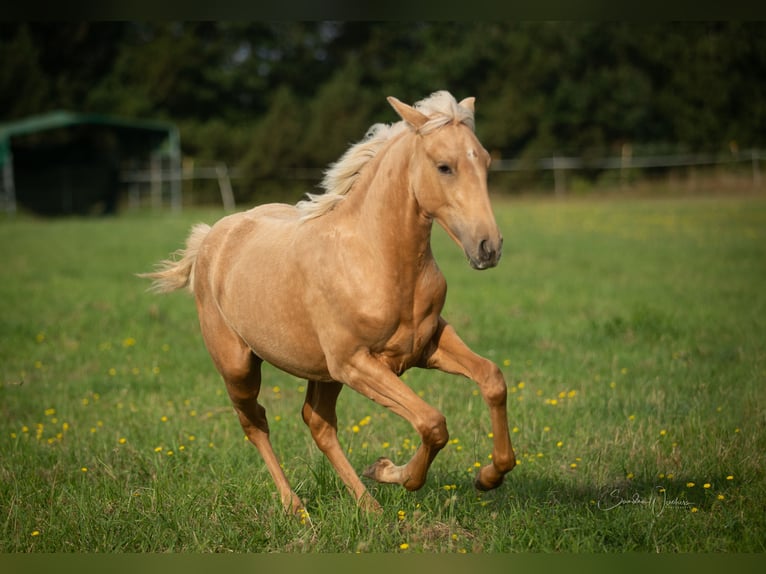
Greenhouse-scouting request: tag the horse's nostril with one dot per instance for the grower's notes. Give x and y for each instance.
(486, 251)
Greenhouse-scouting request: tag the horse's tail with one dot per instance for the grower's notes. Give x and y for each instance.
(177, 272)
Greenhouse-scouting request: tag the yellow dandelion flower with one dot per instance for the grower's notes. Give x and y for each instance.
(546, 429)
(157, 449)
(663, 432)
(122, 440)
(571, 393)
(521, 384)
(506, 362)
(355, 428)
(689, 485)
(560, 444)
(515, 429)
(706, 485)
(386, 445)
(404, 546)
(35, 533)
(720, 497)
(629, 476)
(164, 419)
(573, 465)
(695, 509)
(50, 412)
(128, 342)
(84, 469)
(112, 372)
(730, 477)
(632, 417)
(169, 453)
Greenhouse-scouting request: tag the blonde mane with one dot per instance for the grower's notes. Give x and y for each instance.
(442, 109)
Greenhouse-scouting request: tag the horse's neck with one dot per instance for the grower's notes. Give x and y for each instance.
(385, 211)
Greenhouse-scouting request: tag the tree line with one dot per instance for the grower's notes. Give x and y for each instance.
(268, 97)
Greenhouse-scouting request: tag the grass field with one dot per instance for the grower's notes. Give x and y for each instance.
(631, 333)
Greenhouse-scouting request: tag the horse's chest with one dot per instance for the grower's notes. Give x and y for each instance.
(412, 328)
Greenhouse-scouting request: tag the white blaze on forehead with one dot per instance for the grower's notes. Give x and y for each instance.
(472, 154)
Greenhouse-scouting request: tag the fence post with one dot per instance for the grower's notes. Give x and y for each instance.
(224, 184)
(558, 178)
(625, 161)
(9, 189)
(156, 182)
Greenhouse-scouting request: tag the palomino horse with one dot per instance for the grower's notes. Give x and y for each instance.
(343, 289)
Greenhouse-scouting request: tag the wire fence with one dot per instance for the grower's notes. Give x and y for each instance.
(627, 163)
(161, 183)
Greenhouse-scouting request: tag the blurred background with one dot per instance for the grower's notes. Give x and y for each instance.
(101, 116)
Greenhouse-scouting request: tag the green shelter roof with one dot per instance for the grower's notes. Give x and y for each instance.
(65, 119)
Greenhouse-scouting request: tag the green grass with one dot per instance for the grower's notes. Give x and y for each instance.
(631, 334)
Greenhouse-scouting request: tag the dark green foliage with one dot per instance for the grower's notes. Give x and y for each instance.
(273, 97)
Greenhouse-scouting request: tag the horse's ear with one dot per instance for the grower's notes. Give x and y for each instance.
(468, 103)
(409, 114)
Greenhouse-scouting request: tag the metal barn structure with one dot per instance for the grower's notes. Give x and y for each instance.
(71, 163)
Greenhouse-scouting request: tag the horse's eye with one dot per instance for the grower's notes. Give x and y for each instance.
(444, 169)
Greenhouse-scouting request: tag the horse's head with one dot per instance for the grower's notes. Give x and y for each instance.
(448, 175)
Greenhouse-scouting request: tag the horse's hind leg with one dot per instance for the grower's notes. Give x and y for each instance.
(241, 371)
(319, 416)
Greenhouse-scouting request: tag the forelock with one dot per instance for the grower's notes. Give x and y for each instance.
(442, 109)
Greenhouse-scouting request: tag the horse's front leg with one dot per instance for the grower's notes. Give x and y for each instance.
(450, 354)
(370, 377)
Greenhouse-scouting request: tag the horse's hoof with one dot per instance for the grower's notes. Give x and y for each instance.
(484, 484)
(377, 470)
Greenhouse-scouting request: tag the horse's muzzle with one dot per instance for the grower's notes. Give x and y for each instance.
(487, 255)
